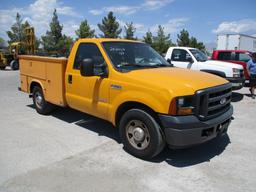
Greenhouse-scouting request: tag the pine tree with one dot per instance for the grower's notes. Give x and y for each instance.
(148, 38)
(183, 38)
(17, 32)
(129, 31)
(85, 30)
(110, 27)
(162, 41)
(194, 43)
(2, 42)
(52, 37)
(54, 42)
(201, 46)
(64, 45)
(185, 41)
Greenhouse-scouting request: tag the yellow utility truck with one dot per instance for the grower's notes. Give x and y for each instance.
(130, 85)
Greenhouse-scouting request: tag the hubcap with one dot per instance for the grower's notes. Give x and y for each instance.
(38, 99)
(137, 134)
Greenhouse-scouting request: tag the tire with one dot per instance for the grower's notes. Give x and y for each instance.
(41, 105)
(141, 134)
(14, 65)
(2, 68)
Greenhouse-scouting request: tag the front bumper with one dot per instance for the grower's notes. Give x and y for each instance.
(186, 131)
(237, 83)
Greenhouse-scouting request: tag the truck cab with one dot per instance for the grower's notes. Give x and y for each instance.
(191, 58)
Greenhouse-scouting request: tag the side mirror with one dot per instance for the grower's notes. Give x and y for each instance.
(87, 68)
(190, 60)
(170, 61)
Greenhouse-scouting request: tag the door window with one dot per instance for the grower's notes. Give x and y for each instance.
(244, 57)
(180, 55)
(88, 51)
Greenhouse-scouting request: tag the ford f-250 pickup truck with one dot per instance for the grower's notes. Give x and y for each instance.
(191, 58)
(130, 85)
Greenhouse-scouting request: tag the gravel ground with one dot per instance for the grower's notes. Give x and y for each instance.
(71, 151)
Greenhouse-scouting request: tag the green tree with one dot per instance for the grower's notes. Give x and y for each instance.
(148, 38)
(110, 27)
(85, 30)
(129, 31)
(65, 44)
(162, 41)
(194, 43)
(54, 42)
(185, 41)
(17, 32)
(2, 42)
(52, 37)
(183, 38)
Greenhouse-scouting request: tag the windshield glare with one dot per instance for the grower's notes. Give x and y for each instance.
(132, 55)
(199, 55)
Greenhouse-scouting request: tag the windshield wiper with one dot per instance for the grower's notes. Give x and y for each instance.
(163, 65)
(145, 66)
(133, 65)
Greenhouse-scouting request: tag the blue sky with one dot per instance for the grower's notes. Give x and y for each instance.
(203, 19)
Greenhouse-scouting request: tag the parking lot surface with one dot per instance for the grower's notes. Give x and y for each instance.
(72, 151)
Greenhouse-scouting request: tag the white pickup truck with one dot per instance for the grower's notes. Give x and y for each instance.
(191, 58)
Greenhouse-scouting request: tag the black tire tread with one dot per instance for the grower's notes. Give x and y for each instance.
(47, 107)
(160, 141)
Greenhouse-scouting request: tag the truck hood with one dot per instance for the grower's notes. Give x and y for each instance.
(175, 80)
(223, 64)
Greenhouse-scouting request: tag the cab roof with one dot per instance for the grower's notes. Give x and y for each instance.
(101, 40)
(230, 50)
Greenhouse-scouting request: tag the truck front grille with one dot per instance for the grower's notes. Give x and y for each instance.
(214, 101)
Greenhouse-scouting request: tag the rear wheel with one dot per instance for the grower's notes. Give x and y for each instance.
(141, 134)
(42, 106)
(14, 65)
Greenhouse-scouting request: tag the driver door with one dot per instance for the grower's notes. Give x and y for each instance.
(87, 94)
(180, 58)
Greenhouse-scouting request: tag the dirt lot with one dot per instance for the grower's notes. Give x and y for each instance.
(71, 151)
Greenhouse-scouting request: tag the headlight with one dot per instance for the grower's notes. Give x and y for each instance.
(236, 72)
(182, 106)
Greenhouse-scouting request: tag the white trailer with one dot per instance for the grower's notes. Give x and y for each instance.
(236, 42)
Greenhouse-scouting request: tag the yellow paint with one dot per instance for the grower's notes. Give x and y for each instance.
(101, 97)
(48, 73)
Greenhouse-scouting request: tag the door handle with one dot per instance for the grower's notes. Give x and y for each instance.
(70, 79)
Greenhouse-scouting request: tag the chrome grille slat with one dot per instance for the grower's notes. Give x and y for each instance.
(219, 106)
(219, 97)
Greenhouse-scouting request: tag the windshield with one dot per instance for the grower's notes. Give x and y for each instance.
(199, 55)
(127, 56)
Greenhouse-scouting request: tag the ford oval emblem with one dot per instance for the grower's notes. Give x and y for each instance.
(223, 101)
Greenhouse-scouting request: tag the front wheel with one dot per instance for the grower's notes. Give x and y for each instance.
(141, 134)
(42, 106)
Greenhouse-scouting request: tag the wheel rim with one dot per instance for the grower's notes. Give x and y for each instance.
(137, 134)
(38, 99)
